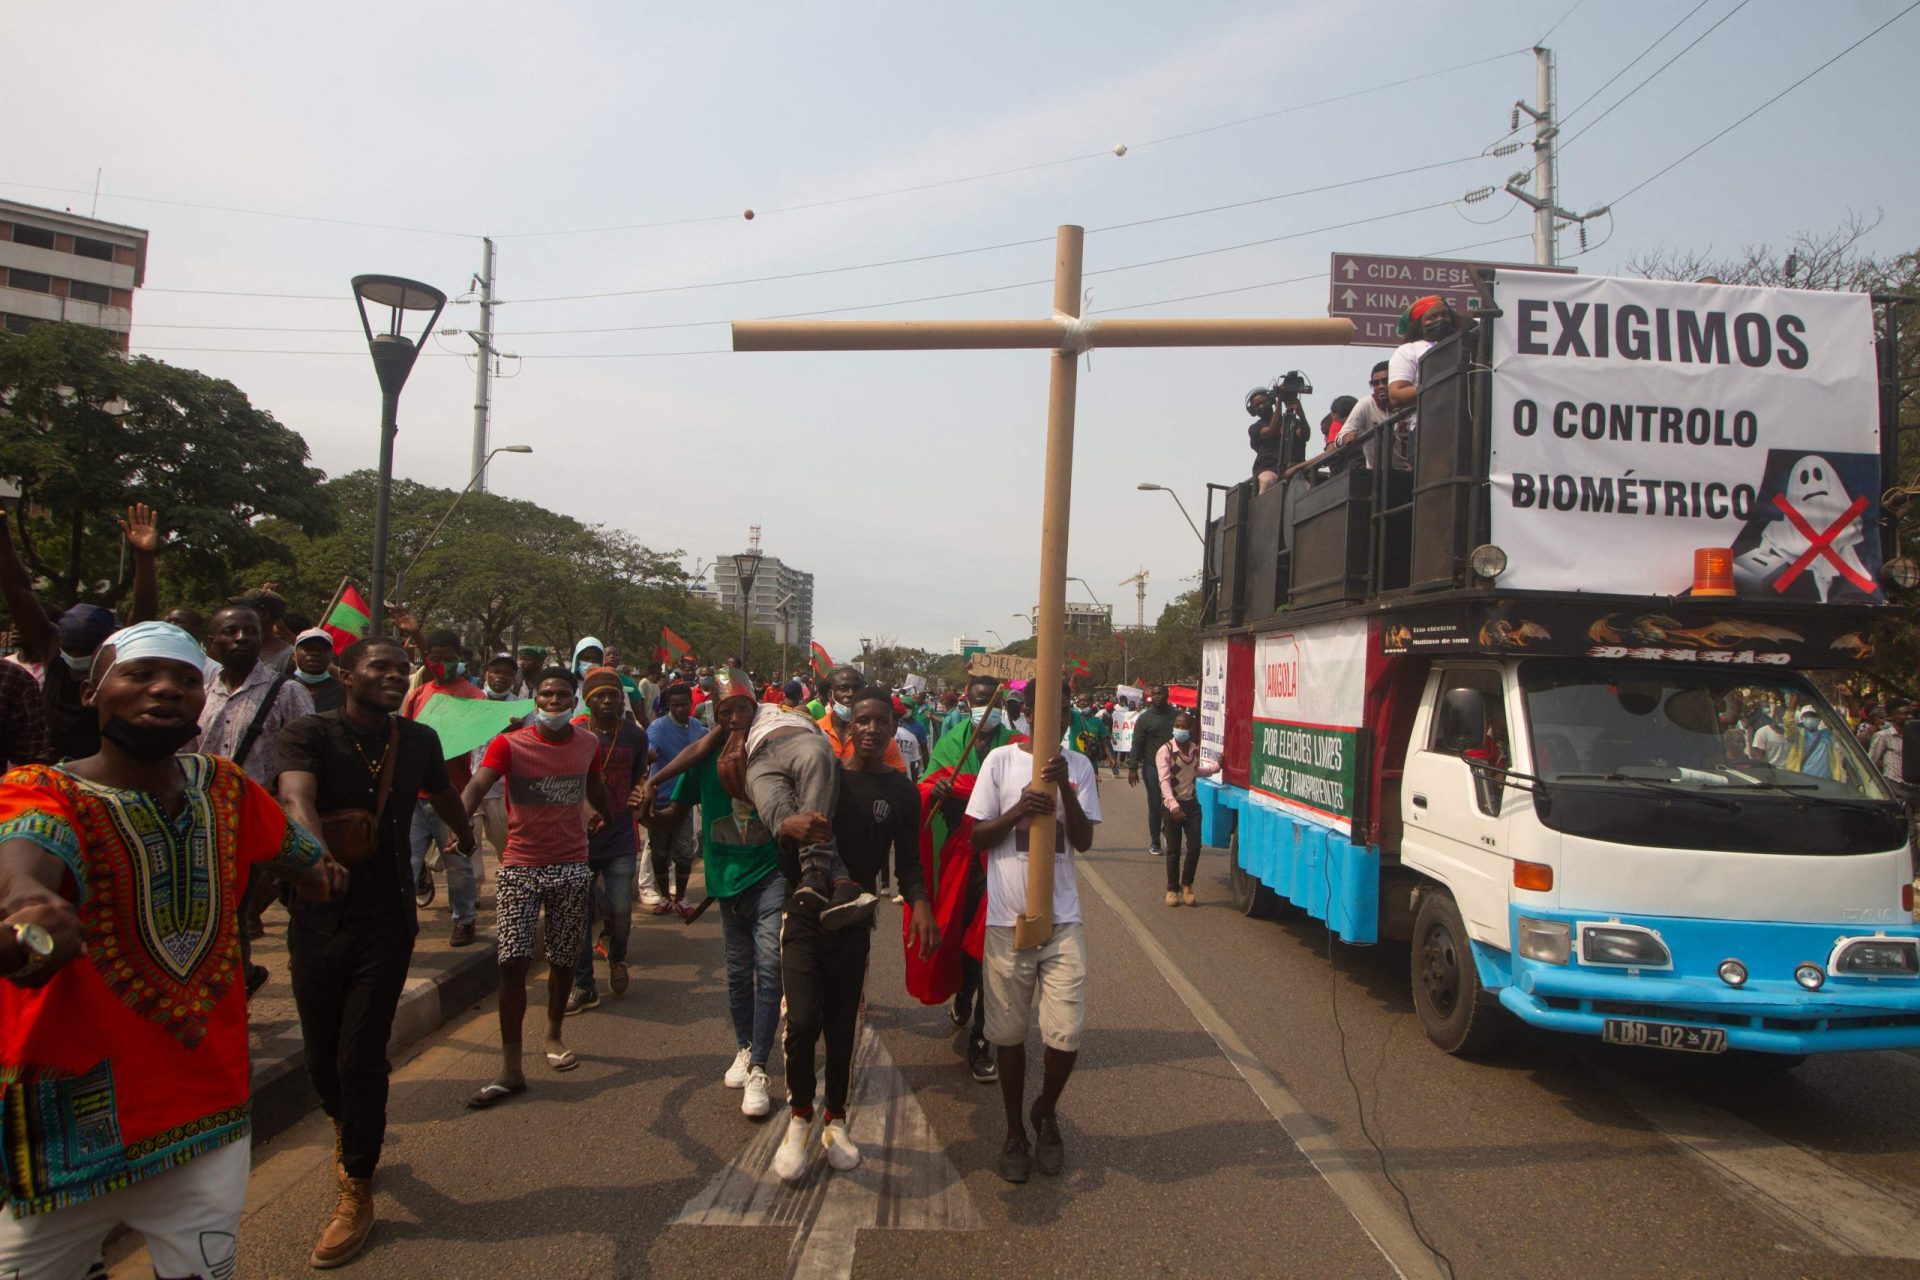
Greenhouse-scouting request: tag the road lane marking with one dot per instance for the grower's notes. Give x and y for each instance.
(1787, 1183)
(1385, 1225)
(904, 1181)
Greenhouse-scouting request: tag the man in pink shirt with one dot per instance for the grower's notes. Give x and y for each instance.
(552, 777)
(1176, 768)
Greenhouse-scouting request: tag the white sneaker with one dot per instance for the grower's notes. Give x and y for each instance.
(899, 899)
(790, 1161)
(756, 1102)
(841, 1153)
(736, 1077)
(651, 897)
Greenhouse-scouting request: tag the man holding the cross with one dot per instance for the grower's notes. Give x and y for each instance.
(1052, 976)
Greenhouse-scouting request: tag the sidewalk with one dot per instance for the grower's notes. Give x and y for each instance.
(443, 982)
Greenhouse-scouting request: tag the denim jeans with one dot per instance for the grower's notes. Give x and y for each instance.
(750, 926)
(609, 898)
(463, 896)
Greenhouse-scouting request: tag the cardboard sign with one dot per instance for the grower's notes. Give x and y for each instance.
(1309, 700)
(1634, 421)
(1002, 666)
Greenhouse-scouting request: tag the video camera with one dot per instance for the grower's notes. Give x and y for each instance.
(1291, 385)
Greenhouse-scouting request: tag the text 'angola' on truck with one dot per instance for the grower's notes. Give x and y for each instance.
(1532, 693)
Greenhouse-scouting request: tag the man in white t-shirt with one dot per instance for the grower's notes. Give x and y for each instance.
(1053, 975)
(1425, 321)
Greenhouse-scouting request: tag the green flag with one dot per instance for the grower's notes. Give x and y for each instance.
(466, 723)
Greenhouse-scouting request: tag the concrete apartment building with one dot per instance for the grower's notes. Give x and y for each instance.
(773, 583)
(60, 266)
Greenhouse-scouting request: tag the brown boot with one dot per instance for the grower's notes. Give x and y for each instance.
(343, 1237)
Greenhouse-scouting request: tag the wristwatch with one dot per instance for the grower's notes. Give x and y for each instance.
(38, 945)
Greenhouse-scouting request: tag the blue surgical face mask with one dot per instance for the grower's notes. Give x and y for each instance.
(309, 677)
(554, 719)
(1181, 735)
(842, 712)
(980, 713)
(79, 666)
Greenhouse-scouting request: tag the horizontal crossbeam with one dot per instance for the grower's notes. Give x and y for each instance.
(997, 335)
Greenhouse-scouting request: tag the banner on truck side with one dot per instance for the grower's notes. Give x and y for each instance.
(1634, 421)
(1309, 700)
(1213, 699)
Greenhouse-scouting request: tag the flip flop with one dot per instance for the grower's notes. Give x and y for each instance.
(493, 1094)
(563, 1061)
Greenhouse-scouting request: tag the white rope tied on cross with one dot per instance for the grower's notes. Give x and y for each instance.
(1078, 334)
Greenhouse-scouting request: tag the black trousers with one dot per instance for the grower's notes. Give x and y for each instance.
(1156, 807)
(1180, 875)
(347, 987)
(824, 972)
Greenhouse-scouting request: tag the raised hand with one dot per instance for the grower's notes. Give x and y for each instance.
(143, 535)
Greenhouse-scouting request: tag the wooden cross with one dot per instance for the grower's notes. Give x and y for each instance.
(1069, 335)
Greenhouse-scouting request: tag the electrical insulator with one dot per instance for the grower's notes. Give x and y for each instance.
(1476, 195)
(1583, 237)
(1506, 150)
(1514, 123)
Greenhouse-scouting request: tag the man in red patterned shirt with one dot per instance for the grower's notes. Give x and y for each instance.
(551, 773)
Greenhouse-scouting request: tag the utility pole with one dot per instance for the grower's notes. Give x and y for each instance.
(1543, 200)
(483, 376)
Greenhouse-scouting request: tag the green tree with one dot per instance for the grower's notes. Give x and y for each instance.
(84, 431)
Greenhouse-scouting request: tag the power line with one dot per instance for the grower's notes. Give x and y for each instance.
(1636, 60)
(1763, 106)
(1556, 26)
(989, 248)
(776, 209)
(1656, 74)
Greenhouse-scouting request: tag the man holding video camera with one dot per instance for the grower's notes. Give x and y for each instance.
(1279, 432)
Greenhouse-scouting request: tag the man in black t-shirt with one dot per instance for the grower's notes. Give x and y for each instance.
(349, 957)
(824, 971)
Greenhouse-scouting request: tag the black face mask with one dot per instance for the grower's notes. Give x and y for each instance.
(148, 743)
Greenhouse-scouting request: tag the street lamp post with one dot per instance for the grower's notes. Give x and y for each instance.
(746, 567)
(1027, 618)
(393, 356)
(1160, 488)
(400, 577)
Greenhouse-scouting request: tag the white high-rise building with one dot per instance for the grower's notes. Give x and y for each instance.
(780, 599)
(60, 266)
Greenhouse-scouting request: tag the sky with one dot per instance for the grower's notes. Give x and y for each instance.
(612, 149)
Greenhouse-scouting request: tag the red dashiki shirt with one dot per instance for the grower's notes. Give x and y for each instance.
(133, 1058)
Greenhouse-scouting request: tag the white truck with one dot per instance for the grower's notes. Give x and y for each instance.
(1539, 704)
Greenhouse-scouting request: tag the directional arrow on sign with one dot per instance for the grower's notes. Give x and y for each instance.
(904, 1180)
(1347, 297)
(1349, 270)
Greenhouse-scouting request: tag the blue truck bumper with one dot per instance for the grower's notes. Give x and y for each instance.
(1314, 867)
(1771, 1013)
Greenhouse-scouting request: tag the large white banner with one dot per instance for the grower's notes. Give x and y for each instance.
(1213, 699)
(1634, 421)
(1309, 699)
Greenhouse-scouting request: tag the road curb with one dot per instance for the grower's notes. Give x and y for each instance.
(282, 1094)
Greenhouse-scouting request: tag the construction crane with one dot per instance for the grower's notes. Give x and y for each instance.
(1139, 581)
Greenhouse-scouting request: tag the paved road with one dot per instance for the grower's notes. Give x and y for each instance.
(1212, 1129)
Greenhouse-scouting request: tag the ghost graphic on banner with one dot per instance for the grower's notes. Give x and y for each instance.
(1809, 534)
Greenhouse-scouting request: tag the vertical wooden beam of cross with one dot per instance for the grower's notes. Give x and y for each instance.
(1069, 334)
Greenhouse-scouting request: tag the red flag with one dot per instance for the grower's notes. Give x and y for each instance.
(672, 647)
(346, 619)
(822, 664)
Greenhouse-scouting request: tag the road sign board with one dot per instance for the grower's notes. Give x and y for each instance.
(1372, 290)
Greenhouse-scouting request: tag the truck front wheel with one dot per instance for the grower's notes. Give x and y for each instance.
(1458, 1014)
(1254, 900)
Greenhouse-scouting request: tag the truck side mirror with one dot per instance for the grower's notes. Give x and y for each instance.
(1463, 720)
(1910, 751)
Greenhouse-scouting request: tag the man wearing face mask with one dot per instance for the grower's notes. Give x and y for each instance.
(1425, 321)
(313, 668)
(247, 704)
(949, 861)
(500, 681)
(444, 673)
(837, 723)
(1178, 766)
(136, 1106)
(65, 643)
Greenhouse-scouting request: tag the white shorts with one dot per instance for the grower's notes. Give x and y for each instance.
(1056, 971)
(189, 1217)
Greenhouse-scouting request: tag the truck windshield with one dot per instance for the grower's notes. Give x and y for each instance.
(1703, 757)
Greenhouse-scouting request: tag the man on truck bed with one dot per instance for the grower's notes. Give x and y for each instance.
(1425, 321)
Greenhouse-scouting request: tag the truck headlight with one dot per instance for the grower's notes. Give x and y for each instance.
(1876, 958)
(1548, 941)
(1626, 946)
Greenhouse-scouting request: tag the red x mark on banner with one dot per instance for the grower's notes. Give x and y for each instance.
(1821, 544)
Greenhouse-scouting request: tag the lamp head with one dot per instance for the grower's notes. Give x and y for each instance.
(393, 350)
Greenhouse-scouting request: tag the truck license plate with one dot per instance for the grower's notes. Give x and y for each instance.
(1664, 1035)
